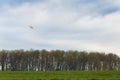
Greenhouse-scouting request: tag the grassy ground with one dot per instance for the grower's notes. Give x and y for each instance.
(61, 75)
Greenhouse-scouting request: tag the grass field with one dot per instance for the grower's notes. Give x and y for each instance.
(61, 75)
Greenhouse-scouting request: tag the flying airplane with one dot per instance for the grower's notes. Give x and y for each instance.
(31, 27)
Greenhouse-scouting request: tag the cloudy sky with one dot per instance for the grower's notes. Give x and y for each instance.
(91, 25)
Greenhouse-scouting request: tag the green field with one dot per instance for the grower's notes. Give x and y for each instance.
(61, 75)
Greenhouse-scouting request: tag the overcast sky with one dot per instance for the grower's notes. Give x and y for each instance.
(90, 25)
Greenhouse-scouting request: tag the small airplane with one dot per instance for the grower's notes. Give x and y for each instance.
(31, 27)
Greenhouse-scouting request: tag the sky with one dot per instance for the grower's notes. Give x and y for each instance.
(83, 25)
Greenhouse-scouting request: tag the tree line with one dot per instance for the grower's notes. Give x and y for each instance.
(43, 60)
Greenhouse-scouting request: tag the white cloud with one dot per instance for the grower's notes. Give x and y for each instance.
(26, 14)
(92, 32)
